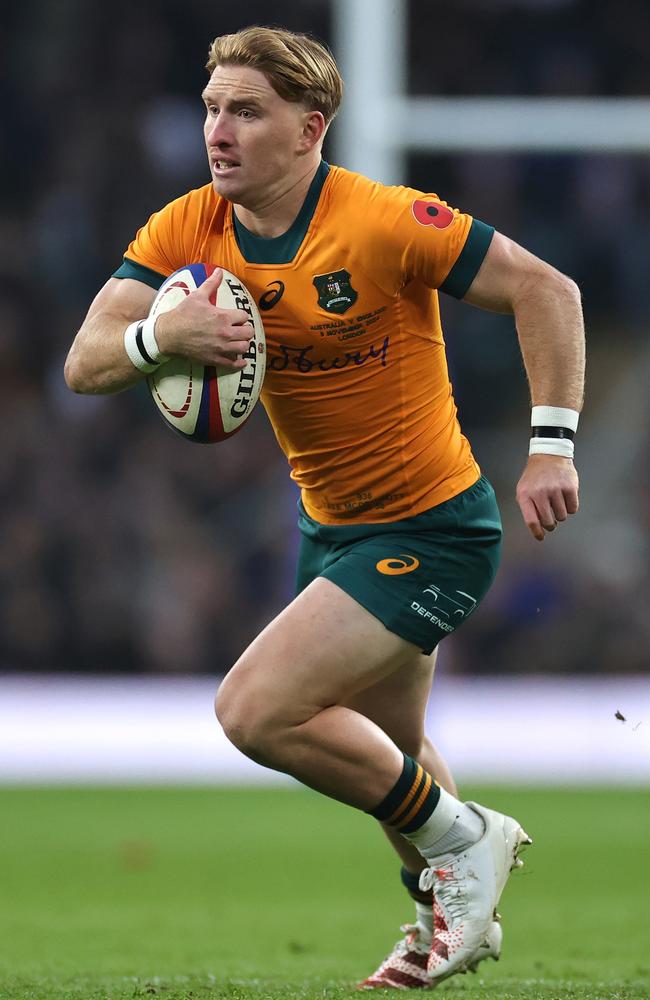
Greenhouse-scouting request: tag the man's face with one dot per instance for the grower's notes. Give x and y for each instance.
(253, 137)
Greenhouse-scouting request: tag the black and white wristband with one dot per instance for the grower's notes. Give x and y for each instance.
(552, 431)
(141, 346)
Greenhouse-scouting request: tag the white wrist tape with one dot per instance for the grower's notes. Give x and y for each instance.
(553, 429)
(551, 446)
(554, 416)
(141, 346)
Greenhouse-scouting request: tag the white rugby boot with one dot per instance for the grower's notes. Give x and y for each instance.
(466, 888)
(490, 947)
(406, 966)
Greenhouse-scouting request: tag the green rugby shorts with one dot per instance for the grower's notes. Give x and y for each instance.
(421, 576)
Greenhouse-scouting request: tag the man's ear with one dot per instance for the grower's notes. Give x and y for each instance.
(313, 131)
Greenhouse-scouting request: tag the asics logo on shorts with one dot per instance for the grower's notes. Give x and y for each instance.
(397, 565)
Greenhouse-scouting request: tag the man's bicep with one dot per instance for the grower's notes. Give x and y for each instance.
(506, 269)
(123, 297)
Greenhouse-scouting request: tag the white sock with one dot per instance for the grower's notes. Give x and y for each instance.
(424, 919)
(451, 827)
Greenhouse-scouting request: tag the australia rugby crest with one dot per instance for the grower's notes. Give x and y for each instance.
(335, 293)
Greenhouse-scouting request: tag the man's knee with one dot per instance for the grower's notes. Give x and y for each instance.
(247, 719)
(235, 710)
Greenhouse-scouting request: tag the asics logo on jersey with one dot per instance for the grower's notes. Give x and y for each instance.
(397, 565)
(271, 297)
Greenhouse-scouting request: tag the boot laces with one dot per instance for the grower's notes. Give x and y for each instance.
(447, 889)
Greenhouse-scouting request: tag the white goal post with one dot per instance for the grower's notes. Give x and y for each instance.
(380, 124)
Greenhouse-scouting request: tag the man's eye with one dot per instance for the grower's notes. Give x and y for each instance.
(245, 113)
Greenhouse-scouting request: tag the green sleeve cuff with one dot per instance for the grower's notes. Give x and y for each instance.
(471, 257)
(129, 269)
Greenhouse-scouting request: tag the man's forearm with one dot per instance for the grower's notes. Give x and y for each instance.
(550, 326)
(98, 362)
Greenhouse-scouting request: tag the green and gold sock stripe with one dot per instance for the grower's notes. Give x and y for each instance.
(409, 808)
(411, 801)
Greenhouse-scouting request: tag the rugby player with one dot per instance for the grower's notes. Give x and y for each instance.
(400, 531)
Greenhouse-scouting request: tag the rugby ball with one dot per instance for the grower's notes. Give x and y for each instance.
(200, 402)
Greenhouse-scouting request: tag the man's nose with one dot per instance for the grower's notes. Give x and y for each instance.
(217, 132)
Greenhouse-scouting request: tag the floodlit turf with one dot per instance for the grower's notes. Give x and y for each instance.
(279, 893)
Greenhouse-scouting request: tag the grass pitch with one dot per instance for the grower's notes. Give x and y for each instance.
(280, 893)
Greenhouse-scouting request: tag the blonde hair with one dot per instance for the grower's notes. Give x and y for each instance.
(299, 68)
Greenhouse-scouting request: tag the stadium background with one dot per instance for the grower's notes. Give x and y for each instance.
(128, 552)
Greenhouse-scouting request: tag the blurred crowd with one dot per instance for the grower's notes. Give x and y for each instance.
(127, 549)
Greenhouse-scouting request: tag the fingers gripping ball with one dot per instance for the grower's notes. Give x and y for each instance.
(200, 402)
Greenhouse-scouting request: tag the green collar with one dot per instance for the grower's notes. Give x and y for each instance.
(282, 249)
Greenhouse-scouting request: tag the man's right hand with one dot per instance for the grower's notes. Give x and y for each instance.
(198, 329)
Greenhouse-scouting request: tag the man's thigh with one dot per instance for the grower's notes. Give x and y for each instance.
(320, 651)
(398, 702)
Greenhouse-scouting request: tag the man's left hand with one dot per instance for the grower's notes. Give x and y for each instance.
(547, 493)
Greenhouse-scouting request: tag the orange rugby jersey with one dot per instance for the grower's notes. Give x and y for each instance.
(356, 387)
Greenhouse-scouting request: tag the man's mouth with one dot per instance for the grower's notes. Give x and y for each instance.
(223, 166)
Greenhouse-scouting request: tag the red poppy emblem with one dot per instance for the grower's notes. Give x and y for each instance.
(432, 213)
